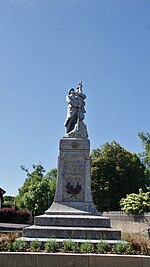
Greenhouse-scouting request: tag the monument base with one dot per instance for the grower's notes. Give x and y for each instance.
(69, 226)
(76, 208)
(73, 214)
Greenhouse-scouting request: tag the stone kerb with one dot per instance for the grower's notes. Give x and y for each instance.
(124, 216)
(9, 259)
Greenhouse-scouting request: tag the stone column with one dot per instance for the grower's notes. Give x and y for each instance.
(73, 191)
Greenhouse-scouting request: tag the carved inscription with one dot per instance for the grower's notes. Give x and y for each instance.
(73, 179)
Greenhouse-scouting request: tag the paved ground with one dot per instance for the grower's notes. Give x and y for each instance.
(6, 227)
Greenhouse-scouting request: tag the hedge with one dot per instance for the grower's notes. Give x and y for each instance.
(10, 215)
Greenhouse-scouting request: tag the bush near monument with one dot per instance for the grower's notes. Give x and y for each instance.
(136, 203)
(115, 172)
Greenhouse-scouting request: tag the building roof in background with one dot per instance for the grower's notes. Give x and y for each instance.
(2, 191)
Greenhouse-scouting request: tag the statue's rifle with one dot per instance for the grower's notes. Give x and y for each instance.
(80, 102)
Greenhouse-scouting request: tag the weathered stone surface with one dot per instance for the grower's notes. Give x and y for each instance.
(72, 208)
(22, 259)
(72, 220)
(63, 261)
(74, 144)
(71, 232)
(74, 181)
(14, 259)
(115, 261)
(76, 240)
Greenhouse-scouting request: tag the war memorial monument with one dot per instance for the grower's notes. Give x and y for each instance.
(72, 214)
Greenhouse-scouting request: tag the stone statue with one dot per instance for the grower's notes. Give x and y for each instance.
(76, 108)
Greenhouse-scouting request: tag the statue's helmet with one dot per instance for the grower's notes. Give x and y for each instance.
(71, 91)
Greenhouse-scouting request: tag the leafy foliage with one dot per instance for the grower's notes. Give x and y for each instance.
(51, 177)
(51, 245)
(18, 245)
(136, 203)
(87, 247)
(38, 190)
(103, 246)
(145, 155)
(35, 245)
(115, 172)
(8, 201)
(69, 245)
(136, 244)
(120, 248)
(6, 241)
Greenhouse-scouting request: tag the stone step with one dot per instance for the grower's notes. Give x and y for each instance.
(72, 220)
(35, 231)
(60, 240)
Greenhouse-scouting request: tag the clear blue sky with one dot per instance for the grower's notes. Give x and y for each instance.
(46, 47)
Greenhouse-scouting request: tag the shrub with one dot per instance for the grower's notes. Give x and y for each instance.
(4, 245)
(19, 245)
(87, 247)
(136, 203)
(10, 215)
(8, 201)
(51, 246)
(7, 215)
(120, 248)
(102, 247)
(7, 204)
(69, 245)
(35, 245)
(22, 215)
(6, 241)
(139, 244)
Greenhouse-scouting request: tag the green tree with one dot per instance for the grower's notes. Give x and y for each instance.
(51, 177)
(52, 174)
(37, 192)
(145, 155)
(9, 201)
(115, 172)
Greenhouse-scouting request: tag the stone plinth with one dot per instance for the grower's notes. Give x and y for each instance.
(73, 193)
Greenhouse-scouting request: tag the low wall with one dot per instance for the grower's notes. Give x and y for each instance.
(128, 223)
(8, 259)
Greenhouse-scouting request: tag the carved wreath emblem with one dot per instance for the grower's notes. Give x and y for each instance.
(73, 190)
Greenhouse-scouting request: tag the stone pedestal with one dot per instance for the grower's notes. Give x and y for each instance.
(73, 193)
(72, 214)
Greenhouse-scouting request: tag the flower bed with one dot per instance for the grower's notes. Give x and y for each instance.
(135, 245)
